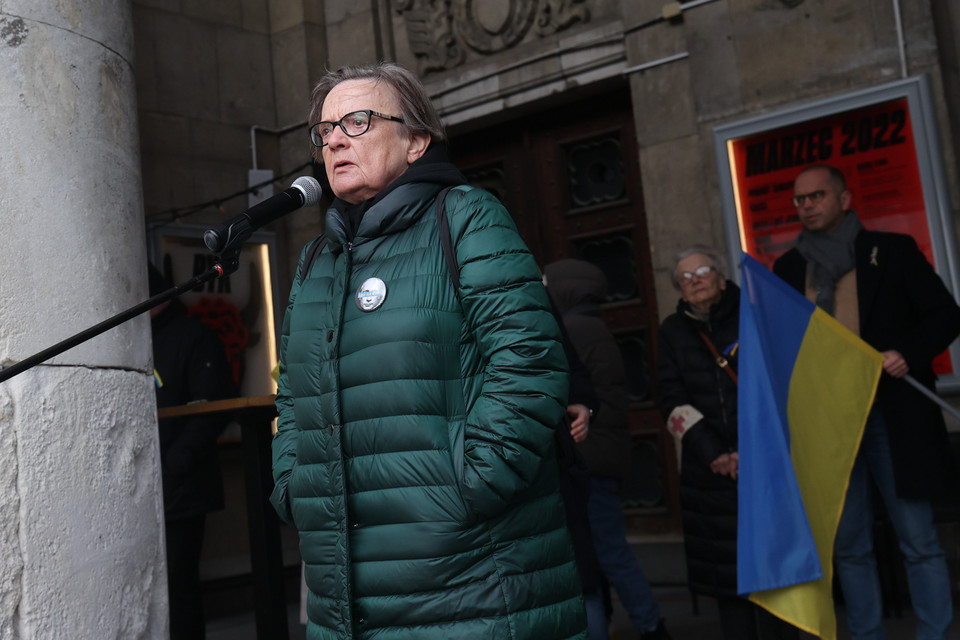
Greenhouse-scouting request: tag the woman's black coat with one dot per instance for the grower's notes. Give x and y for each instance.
(689, 375)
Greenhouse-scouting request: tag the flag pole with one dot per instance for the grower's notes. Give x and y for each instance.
(930, 394)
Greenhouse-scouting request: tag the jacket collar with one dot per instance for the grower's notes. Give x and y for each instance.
(729, 305)
(395, 212)
(349, 224)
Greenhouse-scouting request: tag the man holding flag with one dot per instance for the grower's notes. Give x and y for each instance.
(881, 287)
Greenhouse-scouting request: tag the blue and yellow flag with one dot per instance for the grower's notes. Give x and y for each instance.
(806, 387)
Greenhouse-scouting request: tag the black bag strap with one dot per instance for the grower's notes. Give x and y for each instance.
(722, 362)
(316, 247)
(446, 240)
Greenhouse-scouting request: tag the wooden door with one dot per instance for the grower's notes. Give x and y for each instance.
(570, 178)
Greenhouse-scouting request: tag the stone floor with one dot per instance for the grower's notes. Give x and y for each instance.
(675, 602)
(677, 607)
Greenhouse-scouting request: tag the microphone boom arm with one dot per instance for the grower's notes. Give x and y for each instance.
(224, 241)
(227, 264)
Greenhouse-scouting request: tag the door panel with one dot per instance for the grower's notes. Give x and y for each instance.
(570, 178)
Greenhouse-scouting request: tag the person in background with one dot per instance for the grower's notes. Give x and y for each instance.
(189, 365)
(415, 446)
(575, 482)
(577, 288)
(881, 287)
(696, 365)
(575, 487)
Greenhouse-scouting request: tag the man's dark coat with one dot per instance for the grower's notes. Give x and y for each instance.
(904, 306)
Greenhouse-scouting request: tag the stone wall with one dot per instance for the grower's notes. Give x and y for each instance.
(204, 77)
(221, 90)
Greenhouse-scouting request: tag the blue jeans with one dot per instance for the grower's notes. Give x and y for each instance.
(617, 562)
(598, 627)
(856, 564)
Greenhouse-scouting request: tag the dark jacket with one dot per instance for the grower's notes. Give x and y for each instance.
(689, 375)
(904, 306)
(190, 365)
(577, 288)
(575, 473)
(415, 445)
(575, 482)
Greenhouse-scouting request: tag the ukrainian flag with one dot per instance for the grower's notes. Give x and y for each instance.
(806, 386)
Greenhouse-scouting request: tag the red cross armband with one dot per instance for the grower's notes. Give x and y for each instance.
(681, 420)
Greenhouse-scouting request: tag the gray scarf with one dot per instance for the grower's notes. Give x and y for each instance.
(829, 255)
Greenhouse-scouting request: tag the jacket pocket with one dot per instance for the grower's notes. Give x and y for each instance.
(455, 431)
(280, 498)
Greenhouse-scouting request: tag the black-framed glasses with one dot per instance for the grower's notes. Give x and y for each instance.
(353, 124)
(814, 197)
(701, 272)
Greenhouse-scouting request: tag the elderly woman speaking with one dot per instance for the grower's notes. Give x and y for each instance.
(414, 452)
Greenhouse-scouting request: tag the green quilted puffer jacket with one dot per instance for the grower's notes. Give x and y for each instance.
(415, 445)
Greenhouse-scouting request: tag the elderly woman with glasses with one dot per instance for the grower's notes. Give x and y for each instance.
(697, 363)
(417, 401)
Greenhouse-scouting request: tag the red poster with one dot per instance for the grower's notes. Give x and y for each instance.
(873, 146)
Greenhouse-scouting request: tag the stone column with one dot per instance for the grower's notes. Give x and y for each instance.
(81, 548)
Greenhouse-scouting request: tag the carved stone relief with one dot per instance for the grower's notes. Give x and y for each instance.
(557, 15)
(438, 30)
(498, 31)
(430, 34)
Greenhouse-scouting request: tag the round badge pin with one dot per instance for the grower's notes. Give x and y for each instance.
(371, 294)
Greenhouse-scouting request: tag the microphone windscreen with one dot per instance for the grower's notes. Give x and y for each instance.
(310, 188)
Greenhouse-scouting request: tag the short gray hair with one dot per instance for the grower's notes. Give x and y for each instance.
(714, 256)
(418, 113)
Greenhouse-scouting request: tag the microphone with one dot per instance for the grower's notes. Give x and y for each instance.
(305, 192)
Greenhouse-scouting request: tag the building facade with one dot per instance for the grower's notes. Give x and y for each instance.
(594, 120)
(614, 131)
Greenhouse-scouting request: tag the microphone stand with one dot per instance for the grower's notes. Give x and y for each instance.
(228, 262)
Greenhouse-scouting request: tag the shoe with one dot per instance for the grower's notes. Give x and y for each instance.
(660, 633)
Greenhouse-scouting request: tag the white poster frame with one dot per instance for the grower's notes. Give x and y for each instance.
(918, 93)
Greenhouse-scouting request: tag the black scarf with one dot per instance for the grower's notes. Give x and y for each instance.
(434, 166)
(829, 255)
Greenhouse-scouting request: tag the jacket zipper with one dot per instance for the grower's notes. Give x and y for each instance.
(345, 524)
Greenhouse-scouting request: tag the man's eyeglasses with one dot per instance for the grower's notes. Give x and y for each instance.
(686, 277)
(814, 197)
(353, 124)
